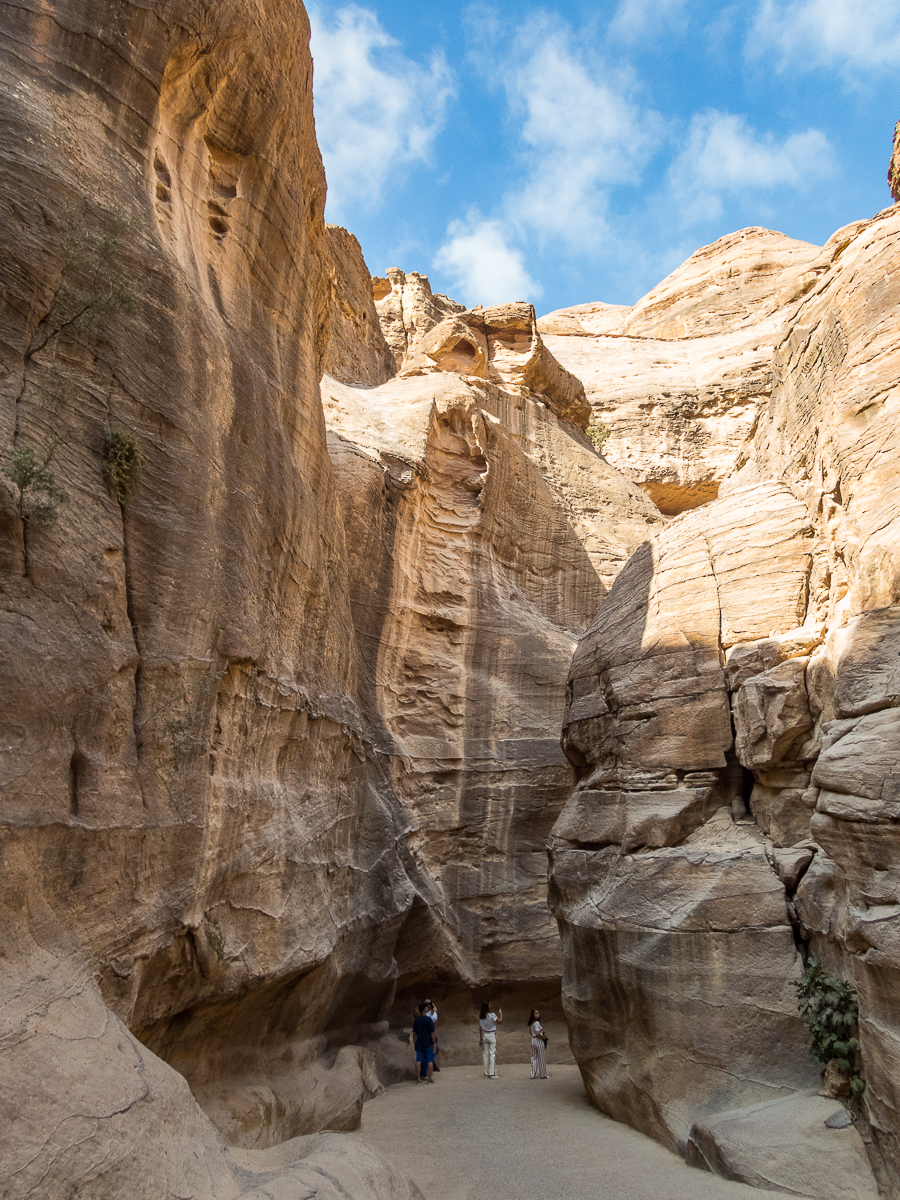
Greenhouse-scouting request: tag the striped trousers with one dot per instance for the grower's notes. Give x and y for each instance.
(538, 1059)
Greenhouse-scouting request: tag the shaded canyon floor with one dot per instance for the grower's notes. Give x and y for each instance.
(470, 1138)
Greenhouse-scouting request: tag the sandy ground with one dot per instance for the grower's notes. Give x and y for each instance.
(470, 1138)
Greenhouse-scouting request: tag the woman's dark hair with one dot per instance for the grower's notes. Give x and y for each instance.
(531, 1018)
(485, 1009)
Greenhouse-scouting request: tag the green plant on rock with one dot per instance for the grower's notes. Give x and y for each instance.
(39, 495)
(597, 433)
(122, 463)
(830, 1011)
(95, 283)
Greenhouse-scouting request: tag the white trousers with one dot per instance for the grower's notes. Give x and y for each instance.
(538, 1059)
(489, 1052)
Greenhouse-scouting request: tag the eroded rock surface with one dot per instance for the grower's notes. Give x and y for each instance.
(733, 710)
(357, 351)
(188, 788)
(407, 309)
(678, 378)
(482, 532)
(804, 1145)
(280, 735)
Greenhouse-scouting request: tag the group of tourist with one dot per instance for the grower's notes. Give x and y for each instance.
(425, 1040)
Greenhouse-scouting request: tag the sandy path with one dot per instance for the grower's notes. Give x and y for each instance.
(468, 1138)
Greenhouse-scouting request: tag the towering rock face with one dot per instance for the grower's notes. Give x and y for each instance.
(280, 736)
(474, 535)
(192, 813)
(357, 351)
(893, 176)
(732, 717)
(678, 378)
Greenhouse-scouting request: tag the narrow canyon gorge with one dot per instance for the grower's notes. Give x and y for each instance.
(383, 647)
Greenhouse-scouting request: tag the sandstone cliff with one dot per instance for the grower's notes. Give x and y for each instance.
(280, 732)
(678, 378)
(280, 721)
(732, 716)
(192, 814)
(481, 532)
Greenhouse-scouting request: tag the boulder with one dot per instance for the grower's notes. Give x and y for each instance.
(803, 1145)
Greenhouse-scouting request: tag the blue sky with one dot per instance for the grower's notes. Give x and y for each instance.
(580, 151)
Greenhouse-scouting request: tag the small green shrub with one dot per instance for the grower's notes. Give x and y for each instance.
(122, 463)
(830, 1011)
(39, 495)
(597, 433)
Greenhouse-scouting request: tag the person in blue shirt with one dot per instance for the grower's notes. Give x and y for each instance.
(424, 1039)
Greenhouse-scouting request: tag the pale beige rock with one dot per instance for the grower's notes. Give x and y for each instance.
(482, 530)
(188, 780)
(678, 964)
(893, 176)
(809, 681)
(785, 1146)
(408, 309)
(677, 379)
(86, 1106)
(771, 716)
(501, 344)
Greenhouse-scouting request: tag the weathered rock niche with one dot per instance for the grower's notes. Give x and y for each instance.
(280, 725)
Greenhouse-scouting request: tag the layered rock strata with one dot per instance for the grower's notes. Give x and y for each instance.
(357, 350)
(482, 531)
(192, 813)
(678, 378)
(279, 736)
(732, 716)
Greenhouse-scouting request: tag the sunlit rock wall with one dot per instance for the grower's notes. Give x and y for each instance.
(191, 812)
(732, 717)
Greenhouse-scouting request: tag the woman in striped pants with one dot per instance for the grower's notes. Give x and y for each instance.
(538, 1046)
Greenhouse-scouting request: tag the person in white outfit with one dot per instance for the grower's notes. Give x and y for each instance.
(488, 1023)
(538, 1046)
(432, 1012)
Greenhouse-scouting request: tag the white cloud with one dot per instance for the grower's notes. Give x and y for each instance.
(375, 109)
(723, 154)
(853, 34)
(577, 133)
(580, 131)
(481, 264)
(635, 19)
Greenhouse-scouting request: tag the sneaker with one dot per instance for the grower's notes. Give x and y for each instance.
(430, 1081)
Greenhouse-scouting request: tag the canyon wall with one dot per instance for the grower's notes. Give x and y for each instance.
(732, 715)
(280, 721)
(191, 817)
(479, 546)
(279, 729)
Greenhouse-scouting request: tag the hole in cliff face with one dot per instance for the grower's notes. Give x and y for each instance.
(673, 498)
(162, 171)
(461, 357)
(77, 770)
